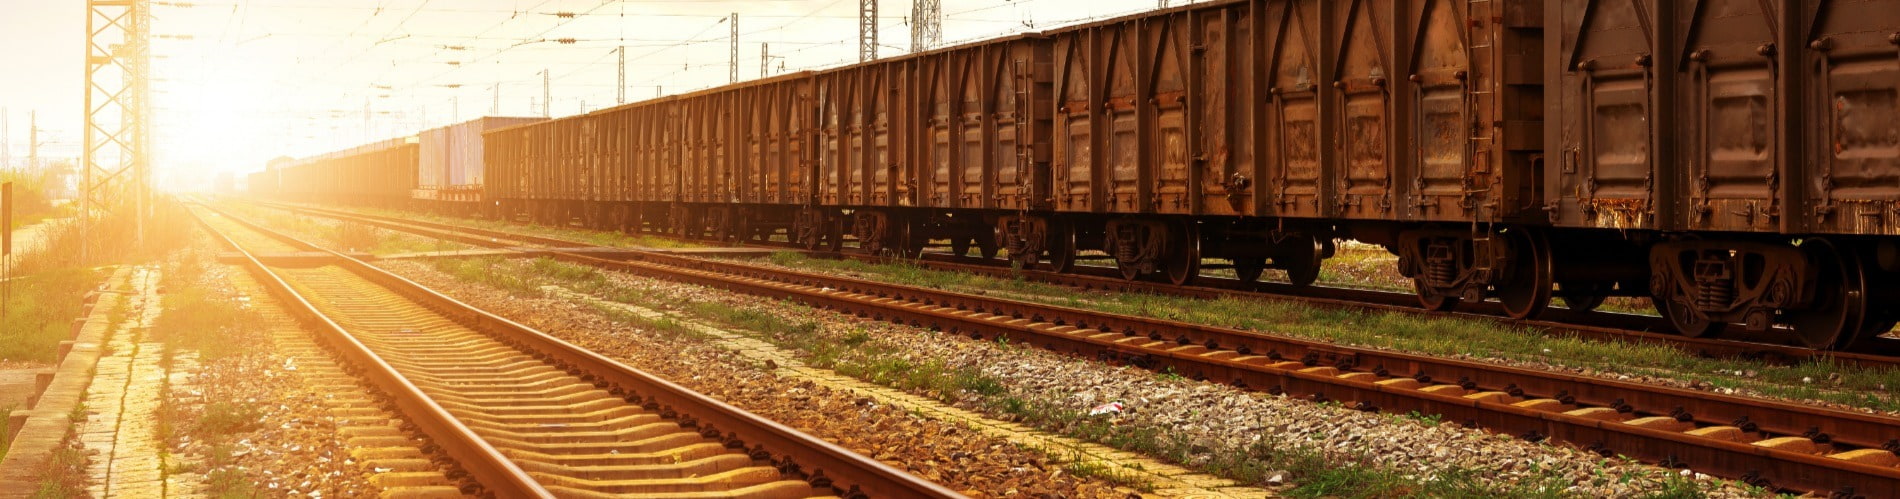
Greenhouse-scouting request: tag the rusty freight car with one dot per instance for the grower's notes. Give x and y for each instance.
(379, 174)
(1738, 160)
(745, 157)
(713, 163)
(947, 144)
(1259, 131)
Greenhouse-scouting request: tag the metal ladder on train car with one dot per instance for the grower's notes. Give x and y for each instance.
(1482, 136)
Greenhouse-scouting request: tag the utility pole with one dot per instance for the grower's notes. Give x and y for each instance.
(867, 30)
(926, 24)
(1161, 4)
(495, 109)
(620, 88)
(735, 46)
(765, 59)
(33, 139)
(115, 151)
(546, 94)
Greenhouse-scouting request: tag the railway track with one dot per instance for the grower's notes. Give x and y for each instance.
(1884, 352)
(527, 415)
(1767, 443)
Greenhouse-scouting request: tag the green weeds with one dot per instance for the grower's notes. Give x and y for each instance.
(40, 312)
(65, 472)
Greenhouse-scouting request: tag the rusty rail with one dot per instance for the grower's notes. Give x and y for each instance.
(820, 461)
(482, 461)
(1710, 432)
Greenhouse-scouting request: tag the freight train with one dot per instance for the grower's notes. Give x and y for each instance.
(1736, 161)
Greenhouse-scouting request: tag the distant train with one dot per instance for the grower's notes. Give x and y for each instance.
(1738, 161)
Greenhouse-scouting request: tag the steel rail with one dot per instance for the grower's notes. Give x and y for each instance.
(485, 464)
(820, 462)
(1332, 372)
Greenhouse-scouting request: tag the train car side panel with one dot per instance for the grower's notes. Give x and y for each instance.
(1291, 131)
(1369, 133)
(1852, 97)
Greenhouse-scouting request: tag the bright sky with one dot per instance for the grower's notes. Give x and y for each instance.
(262, 78)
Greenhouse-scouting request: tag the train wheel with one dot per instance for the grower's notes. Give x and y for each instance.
(808, 230)
(1184, 255)
(687, 225)
(1302, 267)
(1683, 316)
(1129, 271)
(1432, 300)
(1248, 270)
(1840, 302)
(834, 234)
(1061, 247)
(986, 246)
(741, 229)
(1582, 297)
(590, 216)
(960, 245)
(900, 243)
(1527, 292)
(914, 240)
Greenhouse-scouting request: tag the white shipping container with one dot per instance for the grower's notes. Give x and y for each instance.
(465, 148)
(432, 161)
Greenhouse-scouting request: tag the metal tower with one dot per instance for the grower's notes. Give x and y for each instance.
(867, 30)
(115, 161)
(734, 64)
(926, 25)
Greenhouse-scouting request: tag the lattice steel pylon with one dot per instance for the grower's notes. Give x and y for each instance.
(867, 30)
(926, 25)
(115, 162)
(734, 61)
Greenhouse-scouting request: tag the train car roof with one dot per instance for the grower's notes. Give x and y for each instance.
(1028, 35)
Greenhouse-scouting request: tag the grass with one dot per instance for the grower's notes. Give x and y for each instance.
(487, 270)
(199, 319)
(65, 472)
(1816, 380)
(225, 480)
(40, 311)
(225, 418)
(6, 428)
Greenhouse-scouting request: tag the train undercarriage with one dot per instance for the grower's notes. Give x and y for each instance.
(1821, 292)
